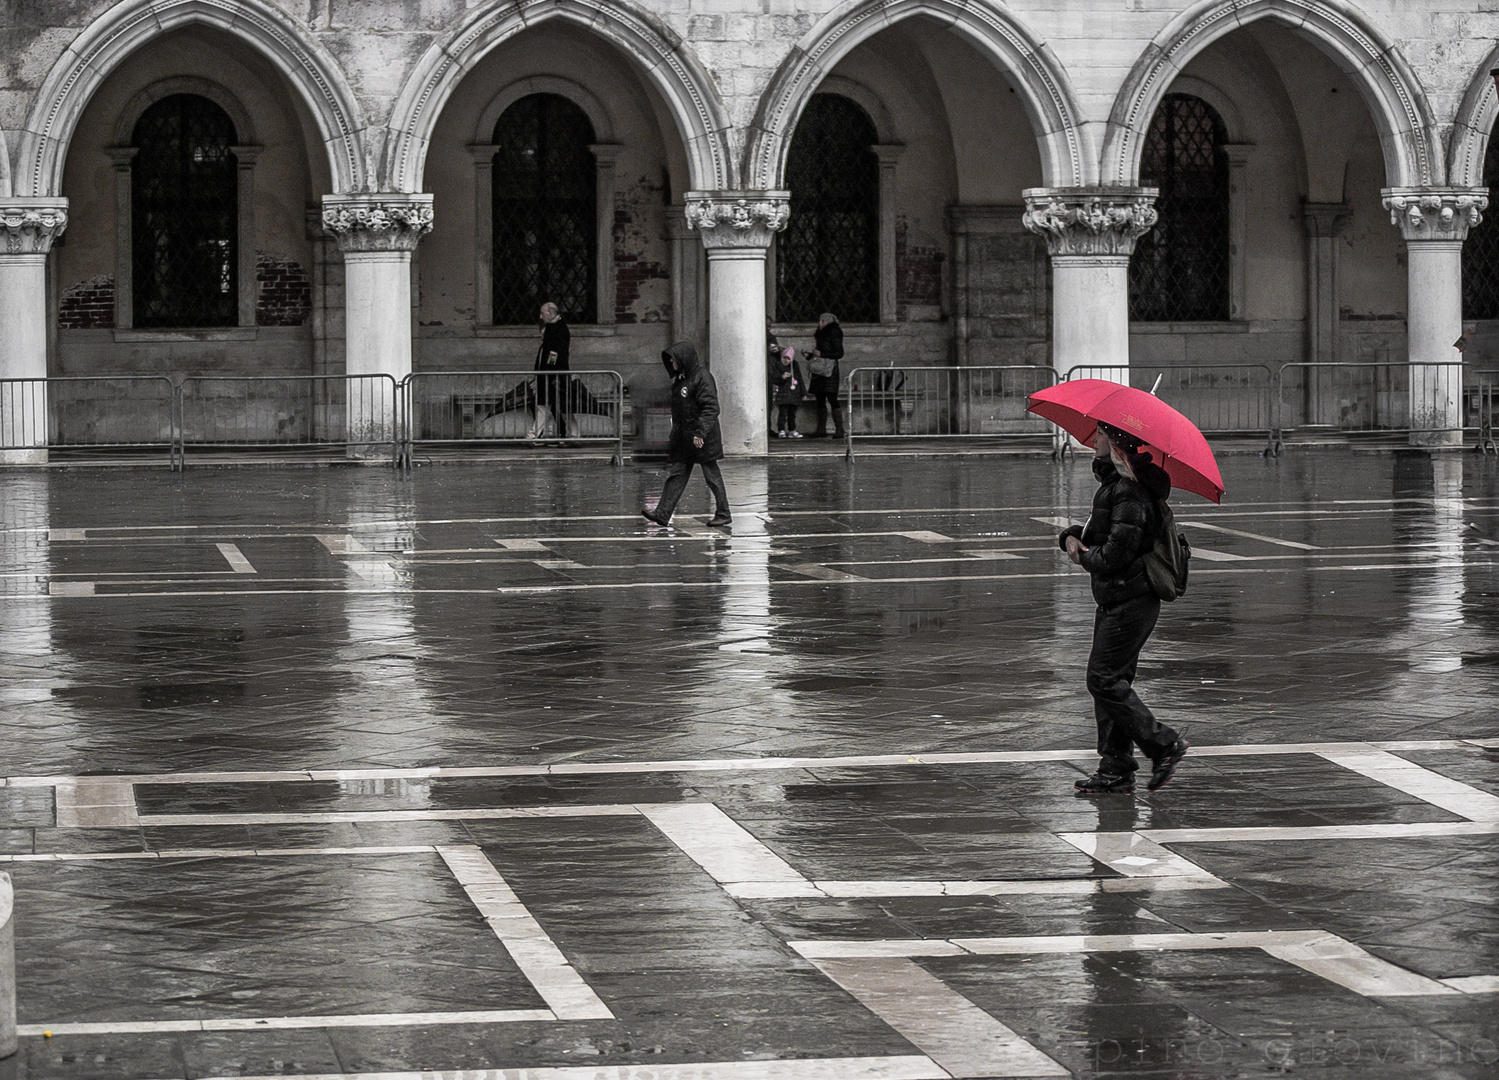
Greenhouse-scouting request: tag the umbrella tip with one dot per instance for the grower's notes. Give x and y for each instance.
(1157, 386)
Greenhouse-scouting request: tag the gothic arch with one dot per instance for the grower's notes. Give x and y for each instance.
(1389, 87)
(244, 126)
(593, 108)
(129, 24)
(669, 64)
(1036, 74)
(1473, 126)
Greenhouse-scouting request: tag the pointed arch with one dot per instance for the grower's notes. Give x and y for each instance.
(126, 26)
(668, 63)
(1036, 74)
(1401, 113)
(1474, 125)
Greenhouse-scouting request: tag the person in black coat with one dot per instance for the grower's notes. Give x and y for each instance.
(787, 387)
(826, 352)
(1112, 548)
(552, 357)
(695, 435)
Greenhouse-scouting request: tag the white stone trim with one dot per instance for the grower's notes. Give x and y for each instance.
(1397, 104)
(598, 115)
(1473, 124)
(689, 91)
(1435, 213)
(1038, 77)
(737, 220)
(135, 108)
(29, 226)
(124, 27)
(377, 223)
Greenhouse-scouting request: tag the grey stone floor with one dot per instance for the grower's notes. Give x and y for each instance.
(315, 772)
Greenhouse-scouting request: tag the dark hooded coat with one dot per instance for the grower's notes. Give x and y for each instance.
(829, 342)
(694, 406)
(1121, 529)
(555, 338)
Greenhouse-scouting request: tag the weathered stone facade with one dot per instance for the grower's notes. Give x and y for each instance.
(978, 107)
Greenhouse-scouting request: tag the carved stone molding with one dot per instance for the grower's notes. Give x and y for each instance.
(737, 219)
(1090, 221)
(1435, 213)
(377, 222)
(28, 226)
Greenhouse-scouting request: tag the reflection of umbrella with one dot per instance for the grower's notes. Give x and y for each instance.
(1078, 406)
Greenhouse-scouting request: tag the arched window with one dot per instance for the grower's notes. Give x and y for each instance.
(1180, 269)
(1481, 250)
(184, 215)
(828, 257)
(545, 237)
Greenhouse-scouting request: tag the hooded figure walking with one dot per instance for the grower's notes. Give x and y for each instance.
(1112, 548)
(695, 436)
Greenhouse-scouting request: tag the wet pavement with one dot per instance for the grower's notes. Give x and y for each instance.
(323, 772)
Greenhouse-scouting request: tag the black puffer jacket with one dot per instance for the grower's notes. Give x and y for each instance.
(1120, 530)
(694, 405)
(829, 342)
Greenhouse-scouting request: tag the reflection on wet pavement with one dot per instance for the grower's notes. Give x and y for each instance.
(328, 772)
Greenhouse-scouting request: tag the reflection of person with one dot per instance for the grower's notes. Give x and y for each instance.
(786, 382)
(827, 351)
(1112, 548)
(695, 435)
(551, 356)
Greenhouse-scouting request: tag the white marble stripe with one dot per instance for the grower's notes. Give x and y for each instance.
(1249, 535)
(723, 847)
(776, 890)
(945, 1025)
(55, 536)
(585, 768)
(914, 1067)
(1474, 984)
(1426, 785)
(333, 817)
(218, 853)
(537, 956)
(1133, 855)
(1393, 831)
(95, 802)
(235, 558)
(289, 1023)
(1344, 963)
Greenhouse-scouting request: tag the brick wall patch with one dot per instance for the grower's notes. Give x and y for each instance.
(88, 305)
(285, 291)
(918, 277)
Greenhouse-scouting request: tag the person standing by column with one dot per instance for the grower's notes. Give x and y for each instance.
(695, 435)
(786, 382)
(551, 357)
(1112, 548)
(826, 352)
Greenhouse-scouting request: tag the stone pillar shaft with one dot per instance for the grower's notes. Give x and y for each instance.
(737, 228)
(1090, 234)
(27, 228)
(1434, 223)
(1324, 226)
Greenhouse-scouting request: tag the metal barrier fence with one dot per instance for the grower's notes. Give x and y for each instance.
(1221, 399)
(497, 407)
(360, 413)
(116, 412)
(940, 402)
(1374, 398)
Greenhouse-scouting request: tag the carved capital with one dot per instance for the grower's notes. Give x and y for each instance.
(737, 219)
(1435, 213)
(377, 222)
(28, 226)
(1090, 221)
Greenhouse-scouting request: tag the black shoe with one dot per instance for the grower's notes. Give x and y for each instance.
(1165, 765)
(720, 521)
(1104, 784)
(656, 519)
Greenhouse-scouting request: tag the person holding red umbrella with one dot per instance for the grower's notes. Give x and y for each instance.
(1112, 547)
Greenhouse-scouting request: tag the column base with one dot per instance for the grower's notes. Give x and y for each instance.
(23, 457)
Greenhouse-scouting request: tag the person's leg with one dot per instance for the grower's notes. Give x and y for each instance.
(837, 412)
(1121, 631)
(676, 483)
(714, 477)
(822, 412)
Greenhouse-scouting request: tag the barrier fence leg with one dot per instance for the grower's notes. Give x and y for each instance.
(8, 1043)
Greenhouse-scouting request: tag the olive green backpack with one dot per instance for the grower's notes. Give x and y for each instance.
(1166, 561)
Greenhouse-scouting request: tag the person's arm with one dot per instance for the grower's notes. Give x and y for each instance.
(707, 408)
(1075, 531)
(1129, 521)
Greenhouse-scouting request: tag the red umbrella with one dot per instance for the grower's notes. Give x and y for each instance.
(1077, 407)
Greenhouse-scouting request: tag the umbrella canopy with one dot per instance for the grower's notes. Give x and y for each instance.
(1078, 406)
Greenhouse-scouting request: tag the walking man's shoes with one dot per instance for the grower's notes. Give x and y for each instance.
(720, 521)
(655, 518)
(1166, 764)
(1101, 783)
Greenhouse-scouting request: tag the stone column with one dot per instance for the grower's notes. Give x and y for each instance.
(1237, 155)
(737, 228)
(1434, 223)
(1324, 227)
(605, 157)
(888, 154)
(27, 228)
(377, 234)
(1090, 234)
(483, 156)
(689, 280)
(122, 156)
(244, 270)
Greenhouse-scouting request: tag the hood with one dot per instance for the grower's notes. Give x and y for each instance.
(685, 354)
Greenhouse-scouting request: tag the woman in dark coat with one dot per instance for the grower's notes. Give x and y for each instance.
(1112, 548)
(827, 351)
(695, 435)
(551, 357)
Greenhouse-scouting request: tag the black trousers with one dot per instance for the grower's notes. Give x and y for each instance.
(1119, 633)
(826, 394)
(786, 418)
(676, 483)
